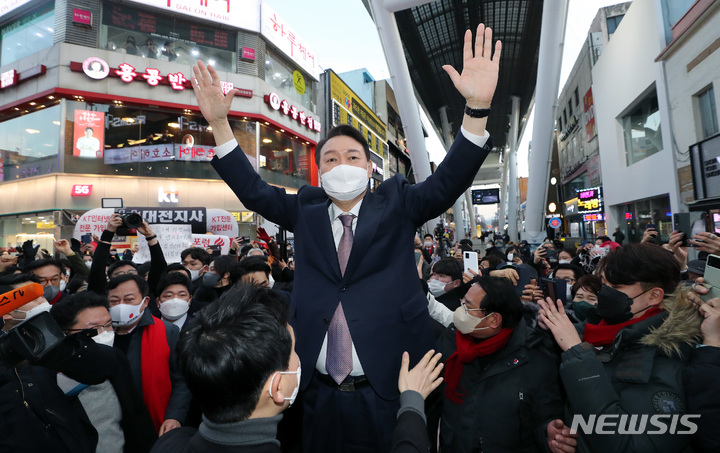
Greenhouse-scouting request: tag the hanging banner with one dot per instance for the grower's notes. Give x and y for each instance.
(88, 134)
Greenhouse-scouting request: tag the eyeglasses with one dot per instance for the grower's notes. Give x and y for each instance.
(465, 304)
(100, 329)
(55, 280)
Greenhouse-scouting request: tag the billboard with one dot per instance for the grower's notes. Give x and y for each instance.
(88, 134)
(486, 196)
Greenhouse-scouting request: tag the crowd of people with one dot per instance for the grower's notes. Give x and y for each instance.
(599, 347)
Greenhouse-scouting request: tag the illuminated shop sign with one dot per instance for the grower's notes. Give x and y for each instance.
(593, 218)
(590, 200)
(8, 78)
(278, 32)
(273, 100)
(98, 69)
(81, 190)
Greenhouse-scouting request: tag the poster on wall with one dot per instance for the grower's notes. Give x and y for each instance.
(89, 134)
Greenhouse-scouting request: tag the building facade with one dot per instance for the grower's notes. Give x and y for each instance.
(96, 102)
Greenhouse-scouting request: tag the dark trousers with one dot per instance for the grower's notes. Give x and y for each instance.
(335, 421)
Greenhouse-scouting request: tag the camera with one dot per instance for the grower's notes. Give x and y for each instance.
(131, 221)
(32, 340)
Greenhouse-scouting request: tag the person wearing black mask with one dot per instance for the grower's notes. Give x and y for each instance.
(630, 363)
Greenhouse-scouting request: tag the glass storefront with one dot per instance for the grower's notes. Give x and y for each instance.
(15, 230)
(135, 32)
(29, 144)
(27, 35)
(634, 217)
(283, 160)
(281, 76)
(642, 130)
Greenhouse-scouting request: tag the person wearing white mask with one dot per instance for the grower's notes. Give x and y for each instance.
(174, 298)
(491, 353)
(197, 261)
(359, 303)
(114, 407)
(50, 273)
(140, 335)
(445, 282)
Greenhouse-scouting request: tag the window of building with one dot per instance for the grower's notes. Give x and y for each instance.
(283, 160)
(565, 115)
(577, 96)
(146, 142)
(29, 144)
(570, 107)
(560, 123)
(134, 32)
(708, 112)
(280, 74)
(27, 35)
(613, 22)
(641, 129)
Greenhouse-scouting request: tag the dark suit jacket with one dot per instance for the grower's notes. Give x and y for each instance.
(385, 308)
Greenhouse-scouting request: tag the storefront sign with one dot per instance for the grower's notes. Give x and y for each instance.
(590, 127)
(167, 196)
(153, 77)
(8, 78)
(571, 207)
(7, 6)
(299, 82)
(96, 68)
(237, 13)
(593, 218)
(222, 222)
(273, 100)
(589, 200)
(89, 134)
(278, 32)
(248, 54)
(82, 16)
(554, 222)
(81, 190)
(243, 216)
(628, 216)
(197, 217)
(347, 108)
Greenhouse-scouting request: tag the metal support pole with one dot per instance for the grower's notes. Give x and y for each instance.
(402, 84)
(471, 213)
(513, 198)
(552, 37)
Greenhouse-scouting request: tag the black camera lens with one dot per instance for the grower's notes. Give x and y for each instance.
(132, 220)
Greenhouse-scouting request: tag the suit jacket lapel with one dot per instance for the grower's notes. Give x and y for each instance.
(369, 217)
(318, 221)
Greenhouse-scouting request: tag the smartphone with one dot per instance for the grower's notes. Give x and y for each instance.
(551, 255)
(690, 224)
(86, 238)
(525, 275)
(418, 255)
(712, 277)
(470, 261)
(555, 288)
(215, 250)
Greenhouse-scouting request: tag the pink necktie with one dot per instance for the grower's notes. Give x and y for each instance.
(338, 362)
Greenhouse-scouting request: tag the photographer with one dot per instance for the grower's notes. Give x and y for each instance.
(98, 278)
(36, 414)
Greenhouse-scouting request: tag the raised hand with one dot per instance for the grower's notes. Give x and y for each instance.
(213, 104)
(479, 76)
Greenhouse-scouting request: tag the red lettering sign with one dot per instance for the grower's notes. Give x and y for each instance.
(81, 190)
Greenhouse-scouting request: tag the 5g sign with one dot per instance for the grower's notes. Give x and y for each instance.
(81, 190)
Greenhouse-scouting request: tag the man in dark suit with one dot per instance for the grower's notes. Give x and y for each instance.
(357, 297)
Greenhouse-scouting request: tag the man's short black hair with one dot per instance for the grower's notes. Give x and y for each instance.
(500, 297)
(196, 253)
(226, 265)
(649, 264)
(34, 265)
(120, 263)
(577, 271)
(76, 283)
(177, 267)
(590, 282)
(494, 260)
(342, 130)
(428, 236)
(10, 281)
(255, 264)
(174, 278)
(232, 348)
(448, 266)
(66, 310)
(120, 279)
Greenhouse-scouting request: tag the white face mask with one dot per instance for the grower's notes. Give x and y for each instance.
(88, 264)
(271, 281)
(465, 322)
(428, 244)
(345, 182)
(568, 292)
(297, 387)
(125, 314)
(563, 261)
(173, 309)
(63, 285)
(106, 338)
(436, 287)
(194, 274)
(36, 310)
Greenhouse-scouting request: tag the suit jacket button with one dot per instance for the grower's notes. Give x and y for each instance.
(342, 289)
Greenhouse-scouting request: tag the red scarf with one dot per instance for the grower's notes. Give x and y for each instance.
(603, 334)
(469, 349)
(155, 370)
